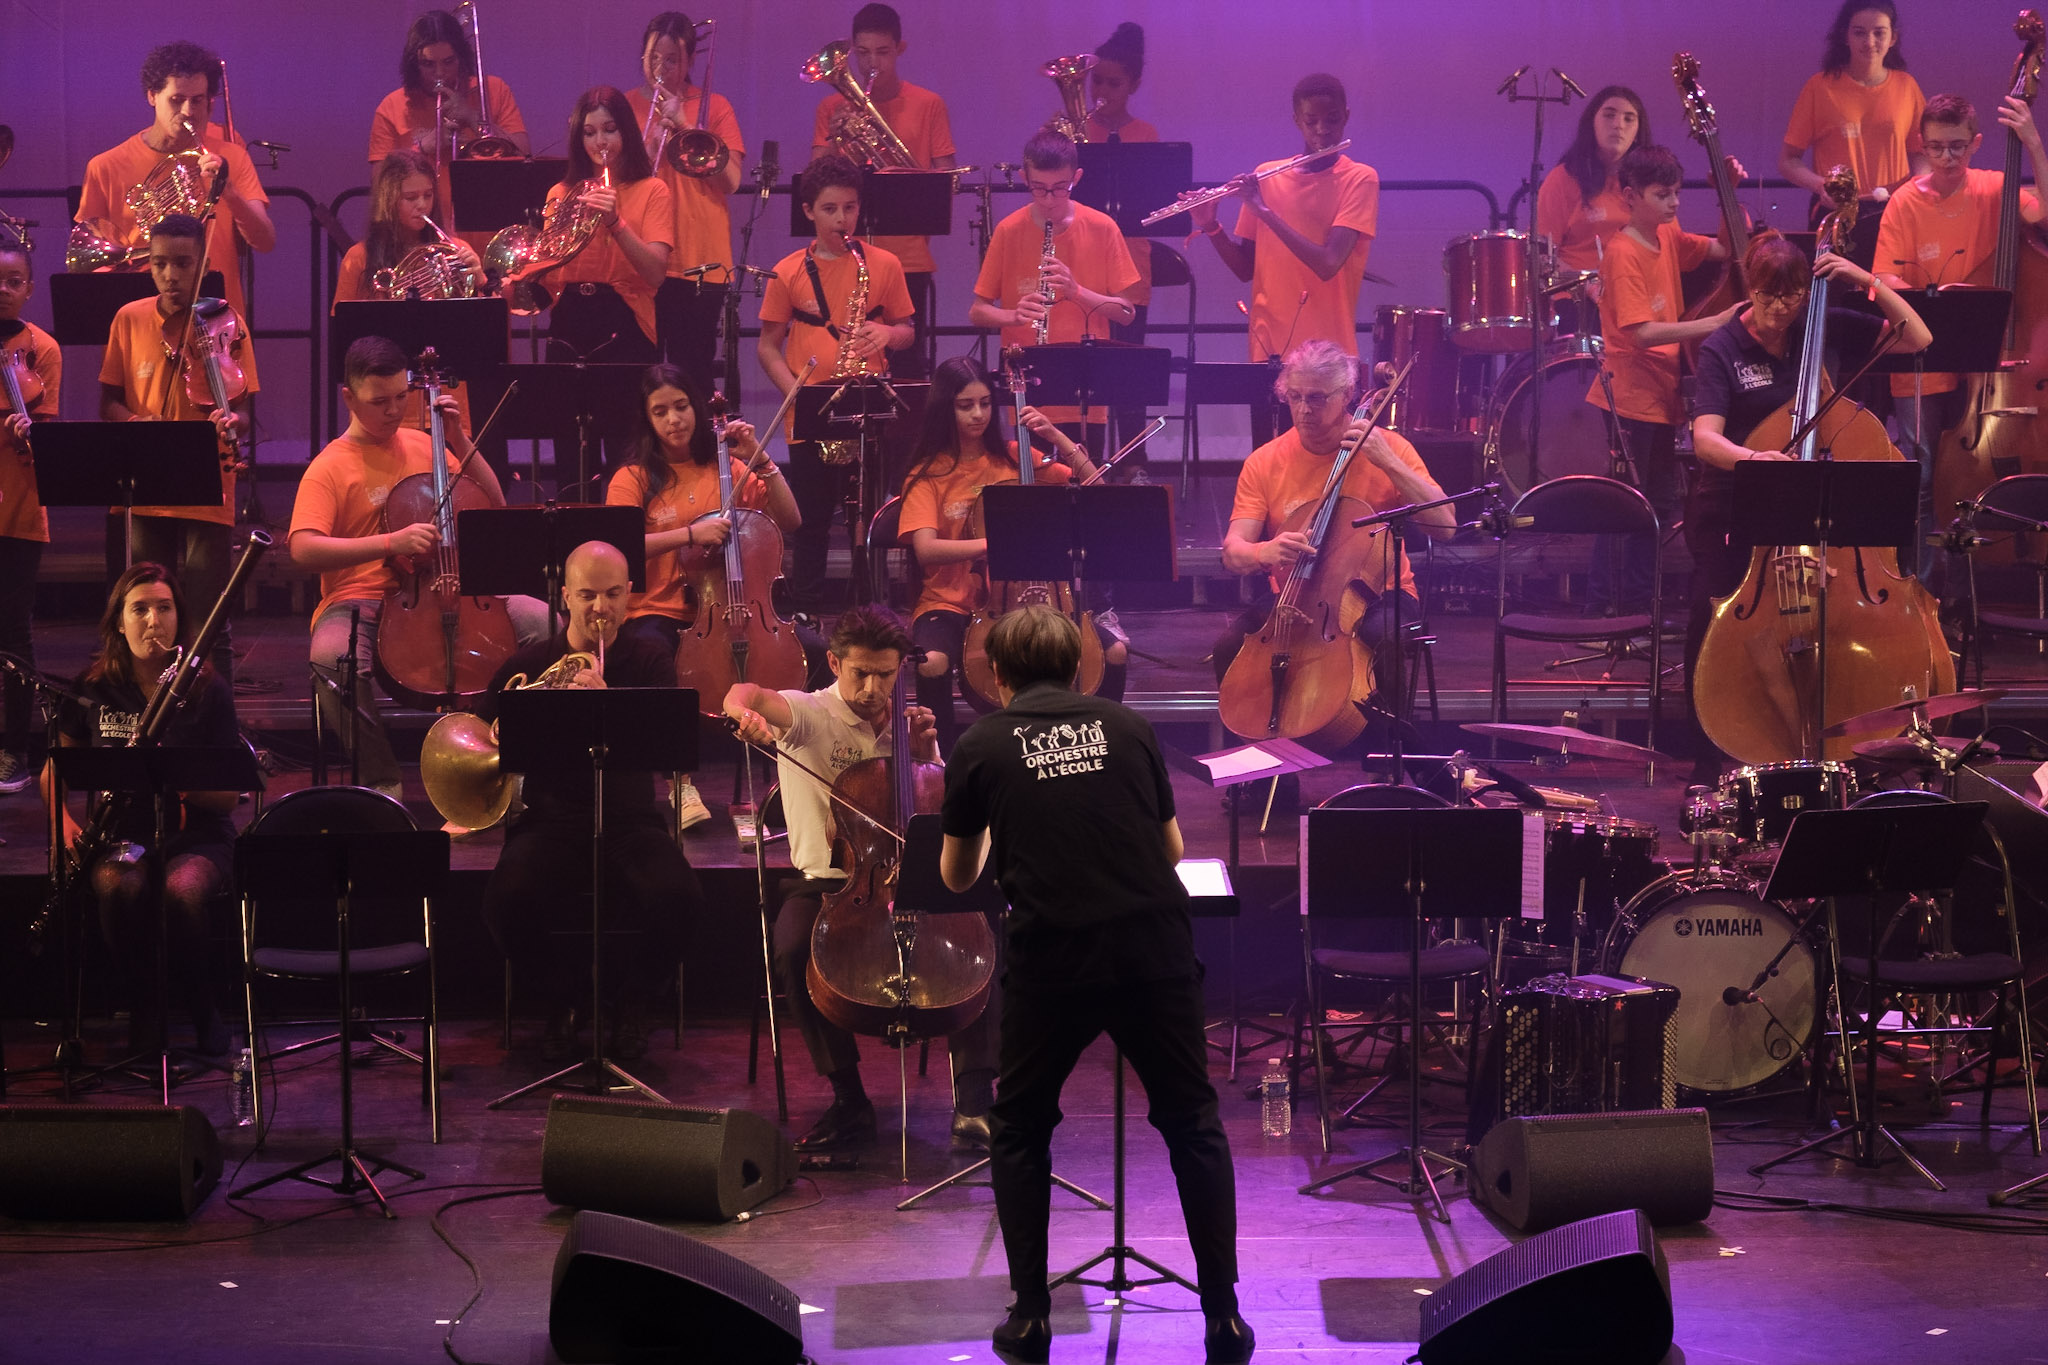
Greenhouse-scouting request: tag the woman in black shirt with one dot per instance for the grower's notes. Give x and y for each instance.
(141, 630)
(1746, 371)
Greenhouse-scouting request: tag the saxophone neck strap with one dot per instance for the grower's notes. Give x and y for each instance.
(818, 319)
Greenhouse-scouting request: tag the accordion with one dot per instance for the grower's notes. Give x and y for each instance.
(1583, 1045)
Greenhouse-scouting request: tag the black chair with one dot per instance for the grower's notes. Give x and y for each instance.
(891, 562)
(2023, 496)
(1579, 506)
(1448, 961)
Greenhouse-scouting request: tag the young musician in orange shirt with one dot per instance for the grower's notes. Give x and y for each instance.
(674, 481)
(180, 81)
(1580, 204)
(803, 318)
(1942, 228)
(1860, 110)
(918, 117)
(143, 378)
(688, 304)
(403, 203)
(438, 56)
(24, 525)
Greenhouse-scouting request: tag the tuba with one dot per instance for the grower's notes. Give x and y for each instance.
(847, 364)
(860, 132)
(488, 144)
(459, 757)
(434, 270)
(521, 253)
(1070, 74)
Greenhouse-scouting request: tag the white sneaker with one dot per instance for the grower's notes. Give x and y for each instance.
(690, 808)
(1107, 620)
(15, 774)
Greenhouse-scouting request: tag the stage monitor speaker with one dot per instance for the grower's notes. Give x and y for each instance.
(125, 1163)
(661, 1160)
(1539, 1171)
(1596, 1292)
(626, 1290)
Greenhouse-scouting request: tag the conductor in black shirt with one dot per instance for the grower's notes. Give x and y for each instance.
(1069, 796)
(541, 885)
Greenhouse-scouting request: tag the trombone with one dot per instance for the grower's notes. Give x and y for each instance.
(488, 144)
(698, 152)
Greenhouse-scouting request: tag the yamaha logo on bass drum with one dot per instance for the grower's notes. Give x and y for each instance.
(1719, 928)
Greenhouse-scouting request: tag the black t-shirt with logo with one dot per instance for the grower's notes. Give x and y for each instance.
(110, 717)
(1074, 792)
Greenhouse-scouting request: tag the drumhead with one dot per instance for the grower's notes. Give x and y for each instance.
(1573, 436)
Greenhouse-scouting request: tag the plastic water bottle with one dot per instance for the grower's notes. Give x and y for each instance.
(245, 1088)
(1276, 1100)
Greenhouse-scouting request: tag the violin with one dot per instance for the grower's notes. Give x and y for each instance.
(437, 648)
(875, 968)
(1757, 685)
(737, 636)
(21, 388)
(1001, 597)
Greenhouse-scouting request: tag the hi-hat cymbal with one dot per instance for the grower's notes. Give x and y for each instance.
(1909, 751)
(1371, 278)
(1562, 739)
(1934, 708)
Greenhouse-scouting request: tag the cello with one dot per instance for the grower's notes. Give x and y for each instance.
(1303, 673)
(1724, 285)
(1001, 597)
(2001, 431)
(737, 635)
(875, 969)
(1757, 684)
(435, 647)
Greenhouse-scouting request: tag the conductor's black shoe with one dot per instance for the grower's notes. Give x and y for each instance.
(970, 1130)
(1228, 1341)
(1024, 1338)
(844, 1124)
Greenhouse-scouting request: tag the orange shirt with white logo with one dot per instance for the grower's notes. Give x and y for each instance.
(692, 492)
(918, 116)
(21, 512)
(1640, 285)
(942, 502)
(1874, 130)
(1282, 476)
(140, 363)
(1925, 240)
(703, 217)
(790, 292)
(110, 175)
(342, 494)
(647, 209)
(1577, 226)
(1092, 248)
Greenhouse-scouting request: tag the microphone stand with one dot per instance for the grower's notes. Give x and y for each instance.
(1512, 89)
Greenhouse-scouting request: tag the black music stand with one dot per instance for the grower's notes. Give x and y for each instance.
(491, 193)
(1830, 504)
(522, 551)
(1968, 323)
(351, 863)
(544, 399)
(893, 203)
(1112, 374)
(1870, 852)
(83, 303)
(563, 734)
(1119, 532)
(471, 336)
(157, 773)
(1127, 180)
(123, 464)
(858, 408)
(1231, 384)
(1463, 862)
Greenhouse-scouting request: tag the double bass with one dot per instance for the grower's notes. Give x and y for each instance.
(1757, 684)
(1723, 285)
(436, 647)
(737, 635)
(2001, 430)
(876, 968)
(1302, 675)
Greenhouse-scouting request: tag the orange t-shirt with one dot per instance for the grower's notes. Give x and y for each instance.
(703, 218)
(21, 513)
(399, 115)
(110, 175)
(1941, 241)
(1577, 226)
(790, 292)
(918, 116)
(943, 503)
(1874, 130)
(342, 494)
(692, 492)
(1346, 195)
(1137, 130)
(352, 285)
(136, 362)
(1640, 285)
(1282, 476)
(648, 210)
(1092, 248)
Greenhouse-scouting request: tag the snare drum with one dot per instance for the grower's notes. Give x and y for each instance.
(1489, 289)
(1573, 436)
(1428, 403)
(1597, 860)
(1712, 938)
(1760, 803)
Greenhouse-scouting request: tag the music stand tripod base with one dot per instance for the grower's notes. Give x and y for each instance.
(1118, 1282)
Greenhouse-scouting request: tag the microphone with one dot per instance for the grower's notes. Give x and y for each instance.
(1511, 82)
(1735, 995)
(1569, 83)
(770, 167)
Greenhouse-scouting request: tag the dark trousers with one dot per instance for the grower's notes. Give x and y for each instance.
(686, 319)
(594, 322)
(196, 874)
(19, 561)
(1717, 570)
(1130, 421)
(833, 1050)
(1375, 628)
(539, 887)
(200, 554)
(1158, 1027)
(915, 360)
(821, 491)
(1621, 564)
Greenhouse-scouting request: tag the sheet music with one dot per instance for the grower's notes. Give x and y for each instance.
(1534, 836)
(1204, 876)
(1240, 762)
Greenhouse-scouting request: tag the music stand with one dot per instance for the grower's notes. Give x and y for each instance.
(157, 773)
(543, 399)
(1870, 852)
(122, 464)
(893, 203)
(471, 336)
(857, 408)
(1230, 384)
(523, 551)
(352, 863)
(486, 194)
(83, 303)
(563, 734)
(1118, 374)
(1831, 504)
(1463, 862)
(1127, 180)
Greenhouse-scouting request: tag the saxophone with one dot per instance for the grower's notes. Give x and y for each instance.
(848, 364)
(1043, 326)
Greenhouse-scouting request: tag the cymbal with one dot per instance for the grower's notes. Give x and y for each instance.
(1934, 708)
(1371, 278)
(1563, 739)
(1907, 751)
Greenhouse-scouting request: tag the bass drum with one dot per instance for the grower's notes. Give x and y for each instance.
(1712, 938)
(1573, 436)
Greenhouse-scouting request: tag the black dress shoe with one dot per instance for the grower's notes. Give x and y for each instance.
(844, 1124)
(1228, 1341)
(1024, 1338)
(970, 1130)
